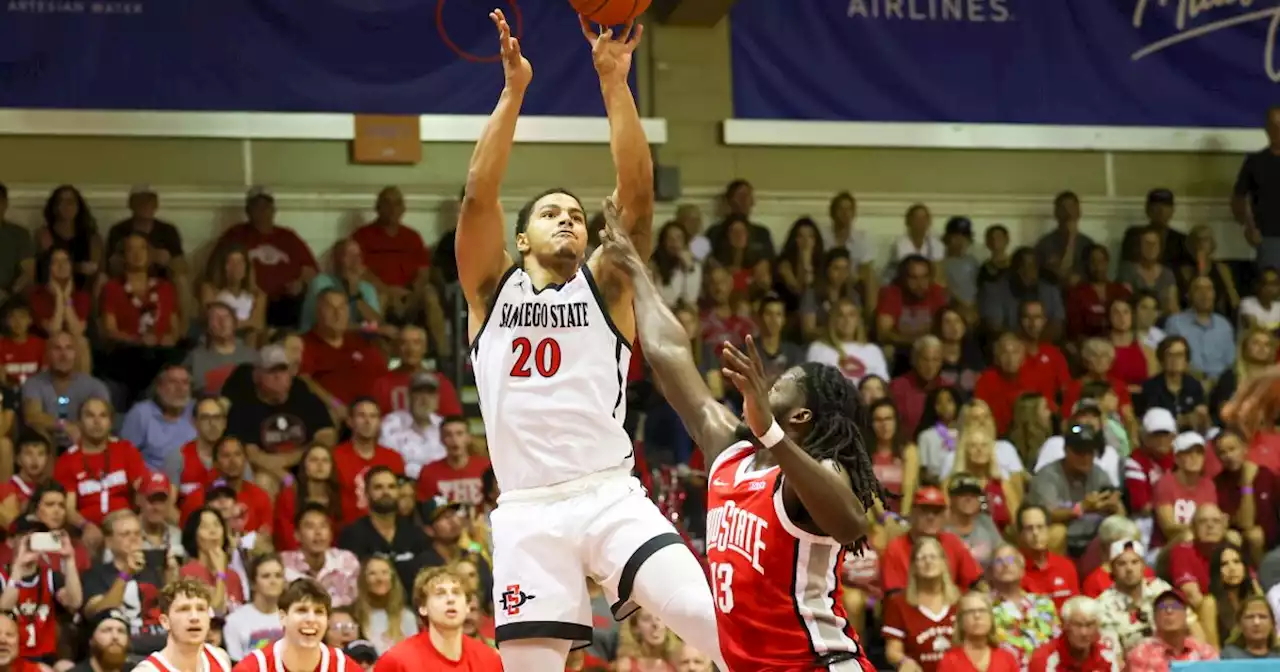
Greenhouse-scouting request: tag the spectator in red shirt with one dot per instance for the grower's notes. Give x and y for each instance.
(1002, 384)
(1045, 368)
(920, 621)
(57, 305)
(719, 321)
(459, 477)
(1087, 301)
(911, 390)
(139, 320)
(1148, 464)
(282, 262)
(100, 473)
(343, 364)
(1245, 494)
(1112, 534)
(905, 308)
(353, 459)
(1098, 356)
(32, 461)
(1080, 647)
(1046, 573)
(977, 649)
(928, 514)
(391, 389)
(253, 505)
(1189, 560)
(1178, 494)
(21, 352)
(441, 600)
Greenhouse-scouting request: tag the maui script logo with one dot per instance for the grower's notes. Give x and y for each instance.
(1194, 19)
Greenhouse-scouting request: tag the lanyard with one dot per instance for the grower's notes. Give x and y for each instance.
(103, 495)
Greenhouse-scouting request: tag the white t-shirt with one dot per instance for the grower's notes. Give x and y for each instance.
(1055, 449)
(861, 247)
(248, 629)
(857, 361)
(1267, 318)
(418, 446)
(1006, 459)
(700, 247)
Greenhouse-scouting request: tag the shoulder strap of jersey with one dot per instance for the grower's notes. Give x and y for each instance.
(341, 657)
(260, 655)
(729, 453)
(153, 663)
(217, 659)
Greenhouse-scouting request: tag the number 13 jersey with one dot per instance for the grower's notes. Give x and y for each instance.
(551, 368)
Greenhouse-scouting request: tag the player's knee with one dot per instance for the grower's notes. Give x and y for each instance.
(534, 655)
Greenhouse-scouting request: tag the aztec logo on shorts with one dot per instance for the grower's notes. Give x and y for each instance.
(514, 598)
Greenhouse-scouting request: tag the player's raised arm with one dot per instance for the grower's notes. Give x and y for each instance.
(480, 247)
(666, 346)
(632, 158)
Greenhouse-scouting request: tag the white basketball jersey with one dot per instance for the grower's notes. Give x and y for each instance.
(551, 371)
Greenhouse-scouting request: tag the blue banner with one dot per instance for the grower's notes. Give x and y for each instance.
(360, 56)
(1199, 63)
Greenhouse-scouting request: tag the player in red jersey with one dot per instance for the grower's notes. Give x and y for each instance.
(34, 587)
(9, 646)
(781, 507)
(32, 459)
(442, 602)
(185, 613)
(304, 606)
(100, 472)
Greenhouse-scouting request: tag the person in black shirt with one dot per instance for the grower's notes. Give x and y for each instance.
(384, 533)
(108, 644)
(1255, 200)
(129, 584)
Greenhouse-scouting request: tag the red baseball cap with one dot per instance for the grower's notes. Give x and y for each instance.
(930, 496)
(156, 483)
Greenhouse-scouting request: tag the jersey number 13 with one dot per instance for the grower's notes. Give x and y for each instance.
(545, 356)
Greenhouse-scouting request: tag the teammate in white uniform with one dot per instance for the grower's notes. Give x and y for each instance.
(550, 345)
(184, 612)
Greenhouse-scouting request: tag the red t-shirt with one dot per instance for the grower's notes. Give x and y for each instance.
(252, 502)
(278, 255)
(1141, 473)
(1169, 491)
(194, 474)
(463, 486)
(348, 371)
(35, 612)
(418, 653)
(1045, 371)
(895, 563)
(911, 317)
(1001, 394)
(1264, 490)
(391, 391)
(1100, 659)
(21, 360)
(396, 258)
(909, 394)
(1100, 580)
(716, 330)
(925, 638)
(136, 314)
(1001, 661)
(350, 468)
(283, 529)
(1130, 364)
(42, 308)
(1264, 450)
(18, 487)
(1057, 579)
(1071, 394)
(102, 482)
(1187, 564)
(1087, 310)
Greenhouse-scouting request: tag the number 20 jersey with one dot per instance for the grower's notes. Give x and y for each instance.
(776, 587)
(551, 370)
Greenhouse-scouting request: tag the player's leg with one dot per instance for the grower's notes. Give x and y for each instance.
(542, 608)
(643, 563)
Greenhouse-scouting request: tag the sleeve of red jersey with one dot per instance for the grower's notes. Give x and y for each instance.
(1135, 481)
(890, 302)
(263, 511)
(395, 461)
(248, 664)
(65, 476)
(894, 626)
(428, 486)
(1182, 565)
(136, 466)
(893, 567)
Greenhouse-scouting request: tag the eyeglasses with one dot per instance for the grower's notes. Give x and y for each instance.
(343, 627)
(1169, 606)
(1005, 560)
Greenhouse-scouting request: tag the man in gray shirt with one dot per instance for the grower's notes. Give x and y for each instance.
(219, 352)
(1076, 492)
(51, 399)
(967, 519)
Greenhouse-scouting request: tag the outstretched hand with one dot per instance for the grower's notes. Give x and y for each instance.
(612, 55)
(615, 242)
(514, 65)
(746, 372)
(1255, 406)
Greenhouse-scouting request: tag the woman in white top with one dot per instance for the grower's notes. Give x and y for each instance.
(919, 239)
(229, 279)
(1263, 308)
(678, 274)
(977, 416)
(1146, 312)
(844, 345)
(380, 606)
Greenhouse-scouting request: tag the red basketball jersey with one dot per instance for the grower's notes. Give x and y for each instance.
(772, 581)
(271, 659)
(37, 625)
(212, 659)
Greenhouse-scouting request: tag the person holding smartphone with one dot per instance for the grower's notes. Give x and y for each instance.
(42, 576)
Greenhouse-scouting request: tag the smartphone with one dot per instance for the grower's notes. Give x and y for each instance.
(45, 542)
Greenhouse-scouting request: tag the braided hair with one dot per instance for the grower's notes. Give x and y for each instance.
(838, 429)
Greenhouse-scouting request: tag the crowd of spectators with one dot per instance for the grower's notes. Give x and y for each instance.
(1046, 419)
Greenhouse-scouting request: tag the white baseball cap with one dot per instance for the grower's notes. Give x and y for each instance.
(1119, 547)
(1159, 420)
(1187, 441)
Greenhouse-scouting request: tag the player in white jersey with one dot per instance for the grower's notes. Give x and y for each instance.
(184, 612)
(550, 346)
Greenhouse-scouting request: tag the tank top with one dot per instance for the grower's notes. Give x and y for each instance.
(242, 304)
(550, 369)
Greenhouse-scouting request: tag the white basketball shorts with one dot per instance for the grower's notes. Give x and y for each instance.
(547, 541)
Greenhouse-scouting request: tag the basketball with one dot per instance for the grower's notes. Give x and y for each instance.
(610, 12)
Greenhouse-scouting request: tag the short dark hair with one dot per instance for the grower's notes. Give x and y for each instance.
(258, 563)
(768, 300)
(363, 399)
(31, 438)
(1022, 512)
(185, 586)
(1169, 342)
(374, 471)
(85, 404)
(452, 419)
(526, 211)
(217, 445)
(1067, 195)
(311, 507)
(305, 589)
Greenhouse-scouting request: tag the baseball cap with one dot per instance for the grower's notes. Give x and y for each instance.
(435, 507)
(110, 615)
(1174, 593)
(156, 483)
(1120, 546)
(959, 226)
(930, 496)
(1087, 407)
(1160, 195)
(1159, 420)
(965, 484)
(142, 190)
(272, 357)
(1084, 438)
(1187, 441)
(362, 651)
(258, 191)
(424, 381)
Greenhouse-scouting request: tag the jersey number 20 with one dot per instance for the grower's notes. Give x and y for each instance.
(545, 356)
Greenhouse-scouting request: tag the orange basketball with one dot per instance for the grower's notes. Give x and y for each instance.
(610, 12)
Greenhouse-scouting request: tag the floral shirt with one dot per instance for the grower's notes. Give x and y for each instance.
(1124, 623)
(1024, 625)
(1154, 655)
(338, 575)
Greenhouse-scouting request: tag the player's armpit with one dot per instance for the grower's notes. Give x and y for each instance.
(819, 496)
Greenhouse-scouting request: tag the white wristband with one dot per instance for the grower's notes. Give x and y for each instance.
(772, 437)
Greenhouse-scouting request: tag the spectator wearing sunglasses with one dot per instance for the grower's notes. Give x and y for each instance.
(1172, 640)
(1076, 492)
